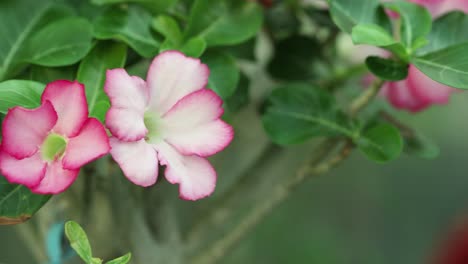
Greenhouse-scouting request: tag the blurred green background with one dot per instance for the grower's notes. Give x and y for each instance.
(361, 212)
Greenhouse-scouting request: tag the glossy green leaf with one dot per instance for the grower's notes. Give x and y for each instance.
(155, 6)
(224, 73)
(194, 47)
(299, 53)
(298, 112)
(202, 14)
(375, 35)
(381, 143)
(79, 241)
(131, 25)
(92, 73)
(387, 69)
(20, 93)
(62, 42)
(448, 66)
(44, 74)
(169, 28)
(18, 203)
(416, 22)
(20, 19)
(121, 260)
(447, 30)
(347, 14)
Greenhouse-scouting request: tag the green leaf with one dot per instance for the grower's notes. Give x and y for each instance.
(20, 93)
(19, 20)
(282, 21)
(375, 35)
(448, 66)
(92, 73)
(447, 30)
(416, 22)
(79, 242)
(420, 146)
(194, 47)
(381, 143)
(387, 69)
(299, 53)
(221, 23)
(49, 74)
(241, 96)
(169, 28)
(155, 6)
(121, 260)
(60, 43)
(346, 14)
(299, 111)
(130, 25)
(18, 203)
(224, 73)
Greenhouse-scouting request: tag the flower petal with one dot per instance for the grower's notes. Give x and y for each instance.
(172, 76)
(195, 175)
(402, 97)
(69, 101)
(129, 97)
(28, 171)
(56, 179)
(91, 143)
(138, 160)
(193, 125)
(24, 130)
(427, 89)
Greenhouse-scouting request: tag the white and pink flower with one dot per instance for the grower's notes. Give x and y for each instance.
(44, 148)
(170, 119)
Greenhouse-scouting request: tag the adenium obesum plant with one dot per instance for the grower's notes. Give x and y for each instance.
(171, 119)
(439, 7)
(44, 148)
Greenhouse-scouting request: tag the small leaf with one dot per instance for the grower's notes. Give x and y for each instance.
(194, 47)
(20, 93)
(448, 66)
(241, 97)
(79, 241)
(420, 146)
(347, 14)
(92, 73)
(155, 6)
(381, 143)
(387, 69)
(130, 25)
(202, 14)
(377, 36)
(169, 28)
(224, 73)
(60, 43)
(298, 112)
(18, 203)
(121, 260)
(44, 74)
(416, 21)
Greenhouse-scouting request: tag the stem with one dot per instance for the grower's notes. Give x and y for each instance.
(317, 165)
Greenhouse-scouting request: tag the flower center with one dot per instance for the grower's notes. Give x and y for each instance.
(151, 122)
(53, 147)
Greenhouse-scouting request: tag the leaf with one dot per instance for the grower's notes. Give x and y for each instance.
(282, 21)
(194, 47)
(375, 35)
(387, 69)
(79, 241)
(19, 20)
(155, 6)
(62, 42)
(169, 28)
(221, 23)
(44, 74)
(130, 25)
(121, 260)
(299, 54)
(381, 143)
(346, 14)
(92, 73)
(20, 93)
(298, 112)
(420, 146)
(416, 22)
(224, 73)
(448, 66)
(447, 30)
(18, 203)
(241, 96)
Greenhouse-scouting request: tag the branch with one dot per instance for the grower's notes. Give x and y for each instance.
(366, 97)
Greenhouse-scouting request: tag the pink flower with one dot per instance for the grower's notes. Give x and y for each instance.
(171, 119)
(44, 148)
(439, 7)
(416, 92)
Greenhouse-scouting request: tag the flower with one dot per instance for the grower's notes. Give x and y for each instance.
(171, 118)
(44, 148)
(439, 7)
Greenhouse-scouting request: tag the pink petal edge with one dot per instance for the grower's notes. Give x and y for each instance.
(56, 179)
(28, 171)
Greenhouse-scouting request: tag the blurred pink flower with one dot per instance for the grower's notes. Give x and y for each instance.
(44, 148)
(439, 7)
(171, 119)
